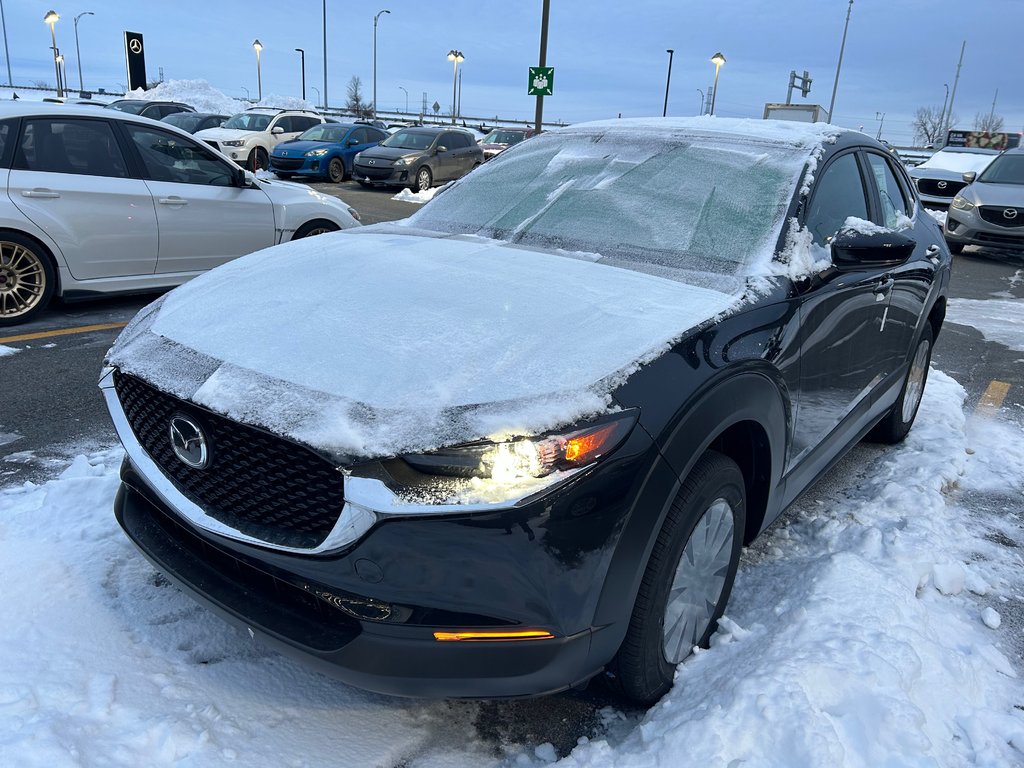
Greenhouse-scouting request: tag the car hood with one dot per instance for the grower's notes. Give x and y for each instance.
(289, 193)
(224, 134)
(296, 148)
(389, 153)
(935, 173)
(371, 344)
(1010, 195)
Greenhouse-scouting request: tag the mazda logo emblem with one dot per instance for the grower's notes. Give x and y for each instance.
(371, 162)
(941, 185)
(1010, 213)
(189, 442)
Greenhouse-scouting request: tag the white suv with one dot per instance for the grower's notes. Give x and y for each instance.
(248, 137)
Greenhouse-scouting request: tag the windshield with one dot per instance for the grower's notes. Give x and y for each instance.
(187, 121)
(324, 132)
(504, 137)
(131, 107)
(699, 210)
(409, 140)
(958, 162)
(249, 121)
(1005, 169)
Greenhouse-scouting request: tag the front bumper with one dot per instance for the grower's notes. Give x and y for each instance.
(300, 166)
(969, 228)
(389, 175)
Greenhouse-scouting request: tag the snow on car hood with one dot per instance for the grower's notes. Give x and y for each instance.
(371, 345)
(224, 134)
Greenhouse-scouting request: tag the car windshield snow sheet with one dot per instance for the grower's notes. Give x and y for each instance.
(693, 209)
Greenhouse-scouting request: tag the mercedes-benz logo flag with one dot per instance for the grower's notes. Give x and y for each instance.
(135, 56)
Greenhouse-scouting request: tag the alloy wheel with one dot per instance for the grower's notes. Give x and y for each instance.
(915, 381)
(22, 279)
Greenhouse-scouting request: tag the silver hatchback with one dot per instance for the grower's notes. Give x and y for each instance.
(990, 210)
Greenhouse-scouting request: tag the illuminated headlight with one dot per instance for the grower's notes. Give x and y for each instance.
(234, 143)
(962, 204)
(316, 153)
(507, 461)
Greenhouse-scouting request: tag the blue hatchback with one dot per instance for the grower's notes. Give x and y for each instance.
(325, 150)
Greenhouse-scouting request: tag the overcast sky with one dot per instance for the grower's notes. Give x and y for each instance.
(609, 58)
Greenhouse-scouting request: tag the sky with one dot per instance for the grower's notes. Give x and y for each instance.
(609, 58)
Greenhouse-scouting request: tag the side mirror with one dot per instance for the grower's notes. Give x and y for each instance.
(277, 130)
(352, 143)
(238, 178)
(969, 177)
(441, 149)
(854, 250)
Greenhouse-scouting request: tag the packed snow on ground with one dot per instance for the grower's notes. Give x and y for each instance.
(198, 94)
(408, 196)
(867, 628)
(999, 320)
(939, 216)
(8, 351)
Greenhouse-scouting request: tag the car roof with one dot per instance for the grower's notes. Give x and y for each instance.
(971, 150)
(9, 109)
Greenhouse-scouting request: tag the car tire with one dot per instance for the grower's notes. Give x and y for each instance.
(365, 184)
(336, 170)
(896, 424)
(28, 278)
(284, 176)
(693, 565)
(955, 248)
(259, 160)
(423, 180)
(315, 227)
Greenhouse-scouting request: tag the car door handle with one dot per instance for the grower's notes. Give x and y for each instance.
(932, 253)
(44, 193)
(173, 201)
(884, 286)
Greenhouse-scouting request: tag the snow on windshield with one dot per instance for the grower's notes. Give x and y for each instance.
(958, 162)
(697, 207)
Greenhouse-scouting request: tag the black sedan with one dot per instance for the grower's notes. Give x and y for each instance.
(519, 439)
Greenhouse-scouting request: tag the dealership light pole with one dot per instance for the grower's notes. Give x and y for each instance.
(701, 101)
(7, 53)
(668, 80)
(51, 18)
(942, 114)
(379, 14)
(839, 66)
(317, 91)
(78, 52)
(302, 58)
(718, 60)
(325, 54)
(880, 116)
(406, 99)
(952, 96)
(258, 47)
(455, 57)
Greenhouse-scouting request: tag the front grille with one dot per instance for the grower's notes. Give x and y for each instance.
(286, 163)
(213, 144)
(372, 172)
(994, 215)
(259, 484)
(931, 187)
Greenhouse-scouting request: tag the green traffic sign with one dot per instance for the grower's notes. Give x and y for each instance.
(542, 81)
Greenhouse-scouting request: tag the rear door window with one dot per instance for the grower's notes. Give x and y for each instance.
(894, 202)
(838, 194)
(84, 147)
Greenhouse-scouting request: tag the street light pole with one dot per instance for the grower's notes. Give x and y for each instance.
(246, 92)
(545, 9)
(325, 54)
(7, 53)
(302, 59)
(839, 66)
(379, 13)
(317, 91)
(701, 101)
(952, 96)
(52, 18)
(406, 99)
(942, 114)
(455, 57)
(664, 111)
(78, 53)
(258, 47)
(880, 116)
(718, 60)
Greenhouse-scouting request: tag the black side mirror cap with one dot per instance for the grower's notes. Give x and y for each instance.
(852, 249)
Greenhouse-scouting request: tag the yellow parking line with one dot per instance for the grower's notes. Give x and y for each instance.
(992, 400)
(62, 332)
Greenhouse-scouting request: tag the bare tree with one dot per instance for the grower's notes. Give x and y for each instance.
(41, 84)
(929, 125)
(355, 103)
(989, 122)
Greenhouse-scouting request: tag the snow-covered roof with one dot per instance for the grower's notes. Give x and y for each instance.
(792, 133)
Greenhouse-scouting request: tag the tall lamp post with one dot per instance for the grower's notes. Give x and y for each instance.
(51, 18)
(668, 80)
(7, 53)
(317, 91)
(880, 116)
(455, 57)
(839, 65)
(379, 14)
(325, 54)
(718, 60)
(258, 47)
(942, 114)
(78, 52)
(302, 58)
(701, 101)
(406, 99)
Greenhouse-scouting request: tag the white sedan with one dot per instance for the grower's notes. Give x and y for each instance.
(100, 202)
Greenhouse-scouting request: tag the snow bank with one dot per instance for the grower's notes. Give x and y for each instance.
(198, 94)
(277, 101)
(408, 196)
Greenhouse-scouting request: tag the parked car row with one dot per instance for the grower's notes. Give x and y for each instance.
(988, 209)
(102, 201)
